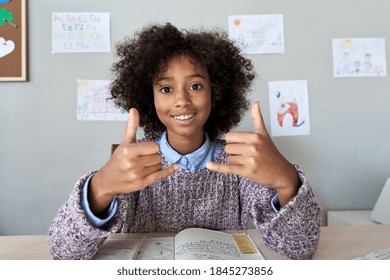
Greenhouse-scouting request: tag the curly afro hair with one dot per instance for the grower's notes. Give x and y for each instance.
(144, 56)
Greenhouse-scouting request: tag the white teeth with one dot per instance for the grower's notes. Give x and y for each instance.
(184, 117)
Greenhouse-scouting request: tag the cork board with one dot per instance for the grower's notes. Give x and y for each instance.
(13, 40)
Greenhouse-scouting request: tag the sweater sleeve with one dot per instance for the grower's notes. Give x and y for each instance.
(293, 231)
(92, 218)
(71, 235)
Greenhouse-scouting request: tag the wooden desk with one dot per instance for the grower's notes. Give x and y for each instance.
(348, 242)
(342, 242)
(24, 247)
(336, 243)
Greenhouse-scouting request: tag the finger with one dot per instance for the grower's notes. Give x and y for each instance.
(139, 149)
(139, 174)
(130, 135)
(257, 119)
(225, 168)
(150, 160)
(240, 149)
(154, 177)
(147, 148)
(147, 170)
(241, 137)
(238, 160)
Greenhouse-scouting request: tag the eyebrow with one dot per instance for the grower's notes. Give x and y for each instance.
(158, 80)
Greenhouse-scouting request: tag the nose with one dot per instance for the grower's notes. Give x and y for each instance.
(182, 98)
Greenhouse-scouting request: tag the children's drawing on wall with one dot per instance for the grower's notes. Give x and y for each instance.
(359, 57)
(289, 108)
(6, 47)
(7, 16)
(93, 103)
(257, 34)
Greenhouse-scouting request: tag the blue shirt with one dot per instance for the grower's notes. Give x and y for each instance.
(192, 162)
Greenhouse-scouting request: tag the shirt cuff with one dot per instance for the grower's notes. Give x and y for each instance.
(92, 218)
(275, 204)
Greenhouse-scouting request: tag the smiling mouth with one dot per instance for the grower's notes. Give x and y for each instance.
(184, 117)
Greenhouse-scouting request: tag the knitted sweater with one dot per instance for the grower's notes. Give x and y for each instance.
(204, 199)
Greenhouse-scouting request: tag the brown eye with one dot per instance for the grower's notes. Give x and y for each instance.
(196, 87)
(165, 90)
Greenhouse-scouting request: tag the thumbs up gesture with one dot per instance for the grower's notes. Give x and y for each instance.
(132, 167)
(254, 156)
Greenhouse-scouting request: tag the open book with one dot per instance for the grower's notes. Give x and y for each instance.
(383, 254)
(205, 244)
(188, 244)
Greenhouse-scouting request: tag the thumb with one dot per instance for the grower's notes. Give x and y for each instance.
(130, 135)
(257, 119)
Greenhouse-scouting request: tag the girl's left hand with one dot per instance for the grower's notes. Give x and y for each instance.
(254, 156)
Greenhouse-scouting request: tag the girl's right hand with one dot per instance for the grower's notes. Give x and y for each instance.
(132, 167)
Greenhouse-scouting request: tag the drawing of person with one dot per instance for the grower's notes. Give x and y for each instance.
(345, 65)
(367, 64)
(357, 67)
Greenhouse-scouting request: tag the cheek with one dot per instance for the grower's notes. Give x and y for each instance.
(207, 108)
(162, 106)
(158, 106)
(158, 101)
(207, 104)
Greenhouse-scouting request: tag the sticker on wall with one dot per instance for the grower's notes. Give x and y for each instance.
(94, 103)
(81, 32)
(289, 108)
(7, 17)
(257, 34)
(359, 57)
(6, 47)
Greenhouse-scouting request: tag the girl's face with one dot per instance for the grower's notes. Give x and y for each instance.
(182, 97)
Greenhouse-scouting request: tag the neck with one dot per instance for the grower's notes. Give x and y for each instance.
(185, 145)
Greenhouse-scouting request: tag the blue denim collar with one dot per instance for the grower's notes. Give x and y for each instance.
(194, 161)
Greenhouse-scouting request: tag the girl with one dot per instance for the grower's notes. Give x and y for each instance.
(187, 89)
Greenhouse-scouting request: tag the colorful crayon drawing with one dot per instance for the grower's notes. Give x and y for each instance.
(257, 34)
(93, 103)
(289, 108)
(359, 57)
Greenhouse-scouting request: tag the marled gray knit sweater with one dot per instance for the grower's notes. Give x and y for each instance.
(204, 199)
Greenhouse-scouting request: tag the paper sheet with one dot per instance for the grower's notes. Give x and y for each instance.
(81, 32)
(257, 34)
(289, 108)
(359, 57)
(93, 103)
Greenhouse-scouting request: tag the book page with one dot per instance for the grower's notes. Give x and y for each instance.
(119, 249)
(158, 248)
(204, 244)
(376, 255)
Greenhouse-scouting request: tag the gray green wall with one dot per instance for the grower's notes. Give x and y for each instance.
(44, 149)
